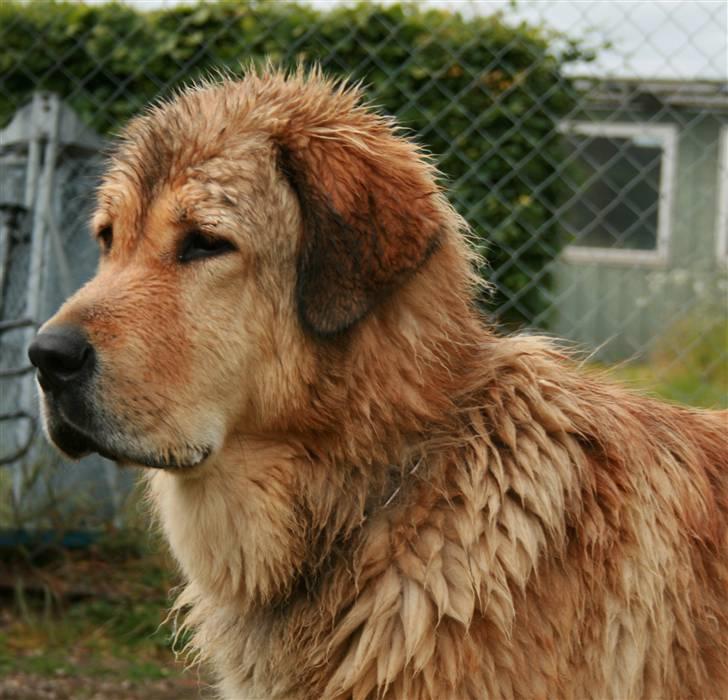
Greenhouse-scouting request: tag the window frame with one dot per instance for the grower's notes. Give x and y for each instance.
(668, 136)
(721, 219)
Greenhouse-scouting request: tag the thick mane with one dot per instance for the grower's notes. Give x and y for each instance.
(562, 514)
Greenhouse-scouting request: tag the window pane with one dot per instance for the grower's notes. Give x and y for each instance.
(616, 191)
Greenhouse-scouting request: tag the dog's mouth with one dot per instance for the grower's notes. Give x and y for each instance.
(195, 459)
(77, 442)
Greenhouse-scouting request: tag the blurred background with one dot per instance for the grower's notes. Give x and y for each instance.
(585, 142)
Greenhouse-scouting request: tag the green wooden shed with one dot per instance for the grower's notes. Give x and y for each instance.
(647, 215)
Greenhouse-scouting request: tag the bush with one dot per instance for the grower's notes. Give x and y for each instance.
(485, 97)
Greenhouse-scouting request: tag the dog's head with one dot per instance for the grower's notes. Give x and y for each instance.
(246, 228)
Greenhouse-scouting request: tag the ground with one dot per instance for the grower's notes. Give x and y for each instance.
(23, 686)
(90, 625)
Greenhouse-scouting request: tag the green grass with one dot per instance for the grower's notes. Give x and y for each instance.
(115, 630)
(683, 386)
(689, 362)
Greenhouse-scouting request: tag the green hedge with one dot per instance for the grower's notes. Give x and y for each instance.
(483, 96)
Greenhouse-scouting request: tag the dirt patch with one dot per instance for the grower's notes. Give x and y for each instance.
(23, 686)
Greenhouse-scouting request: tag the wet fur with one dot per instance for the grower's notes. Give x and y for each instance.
(400, 503)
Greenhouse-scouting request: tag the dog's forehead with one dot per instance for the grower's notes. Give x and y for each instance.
(193, 161)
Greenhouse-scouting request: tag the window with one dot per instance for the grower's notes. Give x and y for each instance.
(721, 233)
(621, 180)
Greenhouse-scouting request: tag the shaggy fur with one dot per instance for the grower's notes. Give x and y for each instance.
(370, 493)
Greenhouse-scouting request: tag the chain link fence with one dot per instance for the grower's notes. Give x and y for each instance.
(586, 143)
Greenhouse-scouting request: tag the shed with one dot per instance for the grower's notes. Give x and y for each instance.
(646, 169)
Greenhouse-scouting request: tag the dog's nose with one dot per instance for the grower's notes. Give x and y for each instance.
(62, 355)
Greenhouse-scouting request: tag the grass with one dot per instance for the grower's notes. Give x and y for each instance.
(103, 637)
(689, 364)
(681, 386)
(94, 613)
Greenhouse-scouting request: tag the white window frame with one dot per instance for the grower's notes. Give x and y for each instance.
(668, 136)
(721, 231)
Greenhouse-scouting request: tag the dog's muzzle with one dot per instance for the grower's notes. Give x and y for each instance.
(66, 363)
(75, 419)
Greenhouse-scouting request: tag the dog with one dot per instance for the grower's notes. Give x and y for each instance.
(369, 492)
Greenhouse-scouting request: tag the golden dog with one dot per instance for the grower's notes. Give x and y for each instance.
(370, 493)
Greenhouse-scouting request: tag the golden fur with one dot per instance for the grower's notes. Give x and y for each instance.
(391, 500)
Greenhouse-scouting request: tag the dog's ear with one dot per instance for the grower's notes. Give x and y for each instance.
(371, 214)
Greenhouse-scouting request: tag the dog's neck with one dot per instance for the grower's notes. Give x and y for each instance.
(284, 537)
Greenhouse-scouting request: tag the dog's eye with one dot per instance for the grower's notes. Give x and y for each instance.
(106, 236)
(196, 245)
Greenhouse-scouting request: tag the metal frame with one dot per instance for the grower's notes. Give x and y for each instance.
(668, 136)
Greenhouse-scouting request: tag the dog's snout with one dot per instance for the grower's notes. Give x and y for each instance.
(62, 355)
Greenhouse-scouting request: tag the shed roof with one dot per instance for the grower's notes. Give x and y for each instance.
(690, 94)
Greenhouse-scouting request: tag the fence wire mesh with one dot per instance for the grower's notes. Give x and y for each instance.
(585, 142)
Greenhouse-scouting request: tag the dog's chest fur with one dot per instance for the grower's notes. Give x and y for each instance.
(527, 559)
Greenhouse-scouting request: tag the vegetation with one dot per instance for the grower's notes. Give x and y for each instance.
(484, 96)
(97, 613)
(689, 364)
